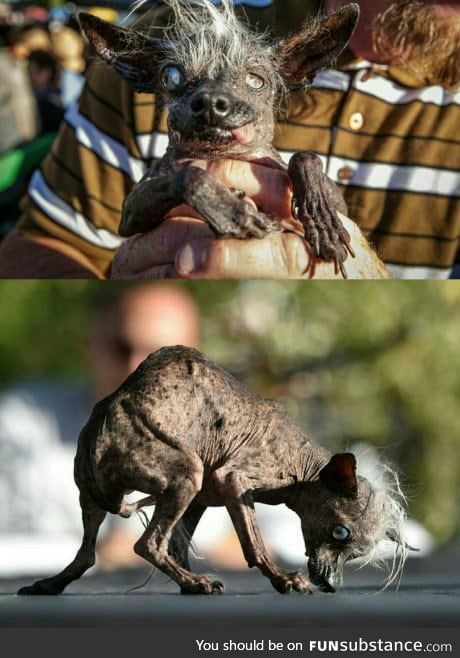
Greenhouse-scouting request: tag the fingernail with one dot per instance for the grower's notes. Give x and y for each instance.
(191, 258)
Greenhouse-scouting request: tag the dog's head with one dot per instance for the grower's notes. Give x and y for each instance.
(345, 517)
(220, 80)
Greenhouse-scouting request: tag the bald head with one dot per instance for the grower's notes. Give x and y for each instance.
(138, 320)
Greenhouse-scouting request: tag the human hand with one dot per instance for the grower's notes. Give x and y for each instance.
(183, 246)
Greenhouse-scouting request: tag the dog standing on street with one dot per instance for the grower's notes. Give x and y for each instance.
(186, 433)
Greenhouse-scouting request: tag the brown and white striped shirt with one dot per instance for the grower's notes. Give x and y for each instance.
(392, 146)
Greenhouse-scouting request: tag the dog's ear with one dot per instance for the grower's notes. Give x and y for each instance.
(339, 475)
(132, 54)
(302, 54)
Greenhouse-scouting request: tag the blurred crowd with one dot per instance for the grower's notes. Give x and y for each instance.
(43, 59)
(42, 62)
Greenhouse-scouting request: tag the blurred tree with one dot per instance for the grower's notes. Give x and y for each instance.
(352, 362)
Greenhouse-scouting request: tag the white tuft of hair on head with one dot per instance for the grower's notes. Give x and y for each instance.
(134, 7)
(389, 505)
(204, 38)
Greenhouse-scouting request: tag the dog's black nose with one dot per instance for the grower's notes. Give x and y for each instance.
(211, 107)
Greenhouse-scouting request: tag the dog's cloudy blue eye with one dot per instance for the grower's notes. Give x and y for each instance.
(254, 81)
(340, 533)
(171, 78)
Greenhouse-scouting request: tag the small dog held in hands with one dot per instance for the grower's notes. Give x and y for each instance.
(188, 435)
(222, 83)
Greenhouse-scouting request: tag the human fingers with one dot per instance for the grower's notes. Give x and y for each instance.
(278, 256)
(153, 253)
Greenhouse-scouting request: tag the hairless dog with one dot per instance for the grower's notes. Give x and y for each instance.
(222, 84)
(188, 435)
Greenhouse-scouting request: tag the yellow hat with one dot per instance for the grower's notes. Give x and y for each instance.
(68, 47)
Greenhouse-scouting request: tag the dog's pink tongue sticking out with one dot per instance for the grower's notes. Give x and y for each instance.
(245, 134)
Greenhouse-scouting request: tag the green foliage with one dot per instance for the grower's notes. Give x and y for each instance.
(353, 362)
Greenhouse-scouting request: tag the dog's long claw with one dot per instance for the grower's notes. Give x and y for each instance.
(204, 586)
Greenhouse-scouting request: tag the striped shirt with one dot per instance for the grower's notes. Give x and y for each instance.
(390, 145)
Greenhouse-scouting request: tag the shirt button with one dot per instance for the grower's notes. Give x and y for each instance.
(356, 121)
(345, 173)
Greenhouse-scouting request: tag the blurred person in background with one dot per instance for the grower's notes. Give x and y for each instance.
(45, 76)
(41, 73)
(40, 420)
(71, 51)
(40, 519)
(19, 116)
(22, 146)
(54, 54)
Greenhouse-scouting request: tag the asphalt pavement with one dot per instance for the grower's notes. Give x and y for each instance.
(429, 596)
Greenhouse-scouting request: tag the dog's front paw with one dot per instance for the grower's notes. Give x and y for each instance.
(300, 583)
(253, 223)
(325, 233)
(203, 586)
(316, 201)
(292, 581)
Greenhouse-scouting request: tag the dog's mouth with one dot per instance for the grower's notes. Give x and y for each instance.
(324, 577)
(244, 134)
(211, 139)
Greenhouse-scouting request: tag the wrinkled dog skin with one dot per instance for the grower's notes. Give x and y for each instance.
(189, 435)
(222, 84)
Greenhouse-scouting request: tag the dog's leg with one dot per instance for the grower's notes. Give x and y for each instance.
(153, 545)
(226, 212)
(240, 505)
(182, 533)
(84, 559)
(315, 202)
(126, 509)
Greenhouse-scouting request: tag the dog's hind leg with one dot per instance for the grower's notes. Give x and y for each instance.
(126, 509)
(182, 533)
(154, 543)
(85, 557)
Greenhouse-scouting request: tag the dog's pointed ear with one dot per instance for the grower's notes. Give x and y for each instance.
(132, 54)
(303, 53)
(339, 475)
